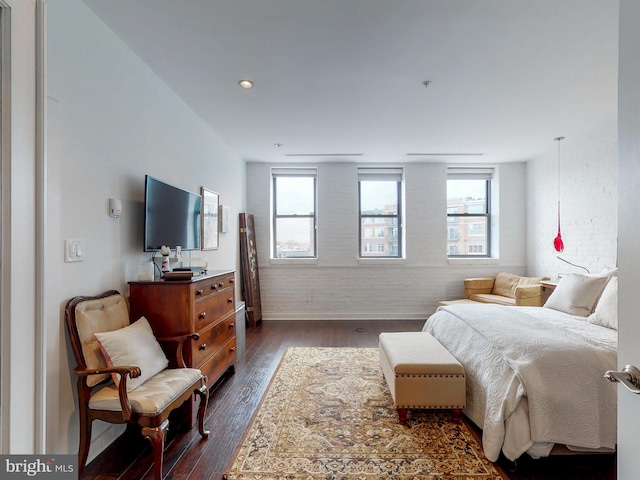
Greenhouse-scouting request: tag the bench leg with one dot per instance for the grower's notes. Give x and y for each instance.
(457, 414)
(402, 416)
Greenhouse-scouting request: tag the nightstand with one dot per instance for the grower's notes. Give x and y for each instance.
(547, 289)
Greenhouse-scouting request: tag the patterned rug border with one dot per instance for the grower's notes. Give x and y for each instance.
(497, 473)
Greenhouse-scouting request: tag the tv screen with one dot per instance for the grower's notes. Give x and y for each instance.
(171, 216)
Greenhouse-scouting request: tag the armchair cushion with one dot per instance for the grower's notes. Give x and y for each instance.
(505, 285)
(491, 298)
(134, 345)
(152, 396)
(99, 315)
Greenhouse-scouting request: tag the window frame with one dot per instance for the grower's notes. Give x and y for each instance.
(453, 219)
(293, 172)
(388, 222)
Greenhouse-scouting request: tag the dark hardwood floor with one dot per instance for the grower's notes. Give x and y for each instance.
(234, 400)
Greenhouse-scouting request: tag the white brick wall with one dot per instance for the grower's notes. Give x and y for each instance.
(588, 204)
(339, 286)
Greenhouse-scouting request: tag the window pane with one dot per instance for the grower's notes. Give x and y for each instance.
(295, 237)
(468, 217)
(379, 197)
(381, 241)
(466, 196)
(295, 195)
(472, 236)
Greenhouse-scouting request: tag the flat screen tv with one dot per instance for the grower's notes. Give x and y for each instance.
(171, 216)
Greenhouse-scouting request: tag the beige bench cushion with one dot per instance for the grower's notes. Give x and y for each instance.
(417, 352)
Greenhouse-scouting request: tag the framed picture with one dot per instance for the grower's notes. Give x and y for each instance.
(210, 206)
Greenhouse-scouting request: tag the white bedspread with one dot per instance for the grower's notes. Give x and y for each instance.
(534, 376)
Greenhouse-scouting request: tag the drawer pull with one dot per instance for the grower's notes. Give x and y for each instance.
(203, 347)
(231, 325)
(221, 284)
(230, 300)
(231, 280)
(202, 315)
(199, 291)
(232, 349)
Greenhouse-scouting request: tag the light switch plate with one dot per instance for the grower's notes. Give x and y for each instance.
(74, 250)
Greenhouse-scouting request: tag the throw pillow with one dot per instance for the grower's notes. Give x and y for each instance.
(606, 312)
(136, 346)
(576, 294)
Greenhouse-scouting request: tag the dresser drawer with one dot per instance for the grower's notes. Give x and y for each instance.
(203, 290)
(212, 339)
(213, 309)
(220, 362)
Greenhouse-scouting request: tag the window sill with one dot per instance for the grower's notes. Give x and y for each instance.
(293, 261)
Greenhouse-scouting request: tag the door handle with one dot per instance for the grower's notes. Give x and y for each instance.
(629, 377)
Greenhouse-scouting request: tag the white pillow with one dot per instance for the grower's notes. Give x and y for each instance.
(576, 294)
(606, 313)
(136, 346)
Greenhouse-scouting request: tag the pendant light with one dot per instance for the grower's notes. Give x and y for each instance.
(558, 244)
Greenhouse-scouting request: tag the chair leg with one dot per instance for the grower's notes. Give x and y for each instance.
(156, 437)
(203, 393)
(85, 441)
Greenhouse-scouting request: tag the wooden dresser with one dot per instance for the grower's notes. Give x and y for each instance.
(203, 304)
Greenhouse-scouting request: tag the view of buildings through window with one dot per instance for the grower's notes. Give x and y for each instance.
(380, 192)
(467, 217)
(294, 218)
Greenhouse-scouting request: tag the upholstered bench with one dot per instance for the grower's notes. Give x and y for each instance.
(421, 373)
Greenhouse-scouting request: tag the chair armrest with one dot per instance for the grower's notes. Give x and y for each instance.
(529, 296)
(124, 372)
(179, 340)
(132, 371)
(477, 285)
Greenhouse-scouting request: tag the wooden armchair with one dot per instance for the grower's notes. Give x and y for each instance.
(135, 394)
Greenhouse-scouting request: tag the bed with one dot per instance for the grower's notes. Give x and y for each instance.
(535, 374)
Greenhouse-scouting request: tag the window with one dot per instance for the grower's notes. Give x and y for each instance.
(294, 212)
(380, 209)
(468, 212)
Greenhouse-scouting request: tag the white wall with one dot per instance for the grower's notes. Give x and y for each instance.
(588, 204)
(341, 287)
(111, 120)
(18, 226)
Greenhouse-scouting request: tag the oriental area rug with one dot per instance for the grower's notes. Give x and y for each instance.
(328, 414)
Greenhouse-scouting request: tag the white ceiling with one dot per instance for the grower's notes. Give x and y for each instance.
(345, 76)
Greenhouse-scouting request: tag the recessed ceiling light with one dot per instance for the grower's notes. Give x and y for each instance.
(245, 83)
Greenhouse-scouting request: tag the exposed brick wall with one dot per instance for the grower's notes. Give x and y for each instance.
(339, 286)
(588, 204)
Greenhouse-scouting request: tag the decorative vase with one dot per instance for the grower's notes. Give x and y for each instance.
(166, 264)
